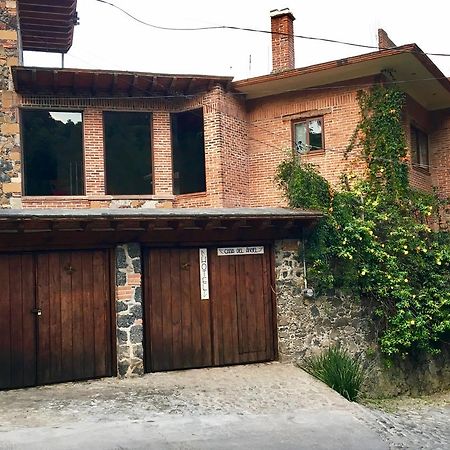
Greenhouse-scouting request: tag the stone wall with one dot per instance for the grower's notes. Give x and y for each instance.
(308, 326)
(130, 351)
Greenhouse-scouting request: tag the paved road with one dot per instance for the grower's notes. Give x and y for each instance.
(263, 406)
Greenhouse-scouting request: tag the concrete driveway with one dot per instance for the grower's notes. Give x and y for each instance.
(260, 406)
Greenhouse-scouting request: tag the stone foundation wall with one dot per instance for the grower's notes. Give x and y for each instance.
(130, 351)
(308, 326)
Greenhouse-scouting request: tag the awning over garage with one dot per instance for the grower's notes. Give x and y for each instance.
(28, 228)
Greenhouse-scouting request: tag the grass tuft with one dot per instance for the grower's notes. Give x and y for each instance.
(338, 369)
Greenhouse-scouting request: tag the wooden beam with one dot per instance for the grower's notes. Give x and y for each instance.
(55, 81)
(133, 86)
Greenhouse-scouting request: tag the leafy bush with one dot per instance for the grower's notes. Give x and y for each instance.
(339, 370)
(378, 239)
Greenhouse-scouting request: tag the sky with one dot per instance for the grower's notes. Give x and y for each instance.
(108, 39)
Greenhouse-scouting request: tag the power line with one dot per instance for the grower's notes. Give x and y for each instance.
(255, 30)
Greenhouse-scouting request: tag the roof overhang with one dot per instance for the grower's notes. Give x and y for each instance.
(47, 25)
(412, 70)
(30, 228)
(100, 83)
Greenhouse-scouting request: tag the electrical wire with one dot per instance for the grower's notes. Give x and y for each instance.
(254, 30)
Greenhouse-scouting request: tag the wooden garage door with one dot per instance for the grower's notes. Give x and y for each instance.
(57, 326)
(235, 325)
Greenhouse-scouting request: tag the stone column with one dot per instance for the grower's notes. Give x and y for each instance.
(10, 153)
(130, 350)
(289, 286)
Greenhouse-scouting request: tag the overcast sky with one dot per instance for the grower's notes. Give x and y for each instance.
(108, 39)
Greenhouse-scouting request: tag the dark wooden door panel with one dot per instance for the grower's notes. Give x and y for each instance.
(254, 308)
(74, 328)
(178, 328)
(234, 326)
(241, 308)
(223, 287)
(17, 322)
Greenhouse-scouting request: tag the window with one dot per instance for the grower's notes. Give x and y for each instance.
(308, 135)
(419, 148)
(188, 152)
(128, 158)
(53, 152)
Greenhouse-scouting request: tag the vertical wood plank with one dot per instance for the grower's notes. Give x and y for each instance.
(201, 326)
(187, 305)
(198, 327)
(87, 309)
(66, 318)
(29, 330)
(6, 373)
(43, 321)
(175, 296)
(77, 292)
(54, 292)
(16, 319)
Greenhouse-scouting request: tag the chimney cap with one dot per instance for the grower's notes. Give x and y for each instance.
(281, 12)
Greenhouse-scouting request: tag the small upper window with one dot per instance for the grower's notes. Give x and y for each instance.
(53, 152)
(419, 148)
(308, 135)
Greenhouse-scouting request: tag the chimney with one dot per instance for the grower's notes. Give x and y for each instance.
(384, 41)
(282, 28)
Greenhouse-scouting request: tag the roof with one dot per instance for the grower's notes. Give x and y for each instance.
(410, 66)
(52, 81)
(160, 213)
(45, 228)
(47, 25)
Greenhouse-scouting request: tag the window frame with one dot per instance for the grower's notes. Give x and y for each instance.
(306, 121)
(416, 154)
(22, 146)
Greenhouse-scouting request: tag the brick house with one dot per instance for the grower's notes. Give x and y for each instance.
(140, 225)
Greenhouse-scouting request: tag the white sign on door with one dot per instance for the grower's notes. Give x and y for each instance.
(231, 251)
(204, 280)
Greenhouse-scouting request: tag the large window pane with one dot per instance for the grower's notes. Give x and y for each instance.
(53, 152)
(188, 152)
(128, 159)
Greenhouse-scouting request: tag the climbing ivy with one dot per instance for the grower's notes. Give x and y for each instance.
(379, 238)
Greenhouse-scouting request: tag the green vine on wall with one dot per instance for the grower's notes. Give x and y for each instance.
(378, 238)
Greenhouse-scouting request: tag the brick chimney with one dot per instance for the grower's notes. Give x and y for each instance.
(384, 40)
(282, 21)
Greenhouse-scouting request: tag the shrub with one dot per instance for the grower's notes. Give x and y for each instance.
(338, 369)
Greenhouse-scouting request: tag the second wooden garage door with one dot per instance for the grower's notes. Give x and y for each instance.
(235, 325)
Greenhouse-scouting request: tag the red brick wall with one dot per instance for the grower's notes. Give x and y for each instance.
(244, 144)
(162, 153)
(270, 137)
(225, 152)
(226, 156)
(93, 152)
